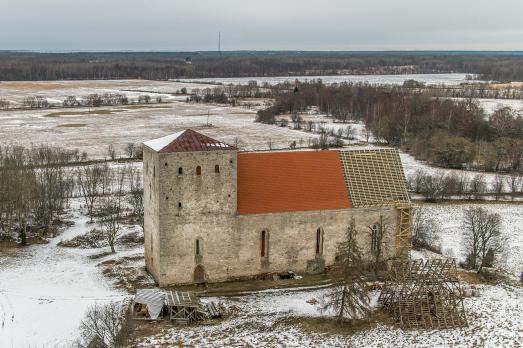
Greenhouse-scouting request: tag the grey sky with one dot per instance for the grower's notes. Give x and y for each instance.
(261, 24)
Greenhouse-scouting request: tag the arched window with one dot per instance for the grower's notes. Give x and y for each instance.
(264, 243)
(180, 170)
(217, 169)
(198, 170)
(319, 241)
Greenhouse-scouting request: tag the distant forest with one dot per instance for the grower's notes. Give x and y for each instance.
(28, 66)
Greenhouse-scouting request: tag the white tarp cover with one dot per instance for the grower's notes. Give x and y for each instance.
(153, 299)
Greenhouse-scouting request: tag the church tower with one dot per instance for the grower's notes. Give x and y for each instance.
(187, 176)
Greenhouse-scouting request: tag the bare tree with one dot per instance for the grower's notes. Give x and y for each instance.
(425, 230)
(111, 210)
(349, 297)
(89, 179)
(111, 151)
(130, 150)
(136, 197)
(498, 186)
(482, 233)
(514, 182)
(108, 323)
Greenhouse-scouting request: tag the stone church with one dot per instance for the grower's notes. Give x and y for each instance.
(213, 213)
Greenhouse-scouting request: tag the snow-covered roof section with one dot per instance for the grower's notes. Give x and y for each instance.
(185, 141)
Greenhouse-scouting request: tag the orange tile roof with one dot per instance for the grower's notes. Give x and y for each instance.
(271, 182)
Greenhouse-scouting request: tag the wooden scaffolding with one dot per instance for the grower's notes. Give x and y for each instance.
(424, 294)
(184, 307)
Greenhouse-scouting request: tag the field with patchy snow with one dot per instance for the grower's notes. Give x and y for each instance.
(449, 218)
(45, 289)
(263, 320)
(430, 79)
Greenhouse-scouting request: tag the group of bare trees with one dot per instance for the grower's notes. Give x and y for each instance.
(445, 185)
(34, 189)
(37, 182)
(107, 193)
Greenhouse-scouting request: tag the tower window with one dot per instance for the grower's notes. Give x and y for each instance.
(319, 241)
(179, 205)
(166, 164)
(180, 170)
(217, 169)
(198, 170)
(264, 243)
(197, 247)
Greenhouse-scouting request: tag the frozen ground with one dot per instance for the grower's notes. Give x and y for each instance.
(431, 79)
(57, 91)
(45, 290)
(449, 218)
(494, 321)
(121, 125)
(491, 105)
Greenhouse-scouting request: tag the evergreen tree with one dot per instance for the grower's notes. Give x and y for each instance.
(349, 297)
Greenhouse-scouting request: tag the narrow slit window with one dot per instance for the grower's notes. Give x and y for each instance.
(179, 205)
(180, 170)
(198, 170)
(197, 247)
(217, 169)
(263, 251)
(319, 241)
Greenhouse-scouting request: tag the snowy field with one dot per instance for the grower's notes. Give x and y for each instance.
(449, 219)
(495, 320)
(430, 79)
(491, 105)
(45, 290)
(127, 124)
(56, 91)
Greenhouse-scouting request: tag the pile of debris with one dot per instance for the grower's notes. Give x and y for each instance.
(424, 295)
(178, 306)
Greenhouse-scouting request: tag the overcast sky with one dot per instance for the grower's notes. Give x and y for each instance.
(261, 24)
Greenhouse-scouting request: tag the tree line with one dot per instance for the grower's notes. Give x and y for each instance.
(31, 66)
(38, 182)
(445, 132)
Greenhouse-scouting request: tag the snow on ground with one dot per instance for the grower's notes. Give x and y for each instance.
(411, 165)
(430, 79)
(494, 321)
(121, 125)
(57, 91)
(491, 105)
(449, 218)
(45, 290)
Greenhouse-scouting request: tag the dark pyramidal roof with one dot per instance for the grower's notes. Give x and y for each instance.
(187, 141)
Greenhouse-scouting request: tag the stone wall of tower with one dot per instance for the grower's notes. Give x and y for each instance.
(151, 211)
(189, 198)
